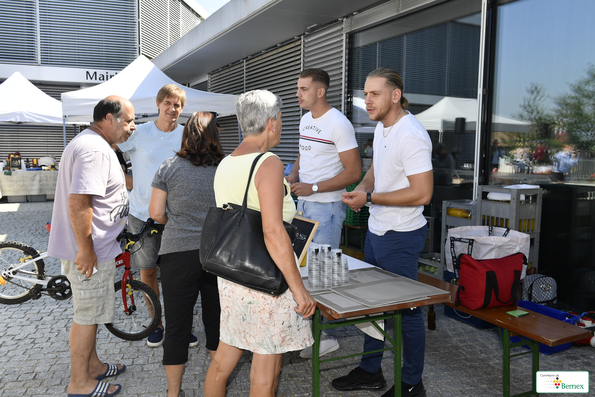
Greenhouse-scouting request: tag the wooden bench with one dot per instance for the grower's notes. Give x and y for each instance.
(533, 329)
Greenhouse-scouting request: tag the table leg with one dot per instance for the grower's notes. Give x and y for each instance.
(535, 348)
(316, 321)
(431, 318)
(398, 349)
(362, 237)
(346, 233)
(506, 362)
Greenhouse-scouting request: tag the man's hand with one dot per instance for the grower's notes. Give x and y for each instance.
(355, 200)
(85, 262)
(291, 179)
(302, 189)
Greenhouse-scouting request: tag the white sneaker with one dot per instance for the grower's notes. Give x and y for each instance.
(328, 344)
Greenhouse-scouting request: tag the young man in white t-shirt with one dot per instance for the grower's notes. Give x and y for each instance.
(397, 186)
(328, 162)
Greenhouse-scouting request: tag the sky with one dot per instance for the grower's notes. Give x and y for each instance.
(211, 5)
(542, 42)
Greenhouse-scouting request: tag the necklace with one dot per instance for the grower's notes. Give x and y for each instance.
(393, 124)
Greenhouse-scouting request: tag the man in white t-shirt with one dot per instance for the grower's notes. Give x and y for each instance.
(397, 186)
(327, 163)
(90, 210)
(148, 147)
(328, 160)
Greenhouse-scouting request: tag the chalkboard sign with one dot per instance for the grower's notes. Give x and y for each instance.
(305, 233)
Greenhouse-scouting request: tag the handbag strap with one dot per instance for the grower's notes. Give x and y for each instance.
(245, 202)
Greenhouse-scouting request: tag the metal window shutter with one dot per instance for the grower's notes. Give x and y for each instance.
(18, 31)
(34, 141)
(463, 59)
(189, 19)
(88, 33)
(55, 90)
(154, 31)
(228, 81)
(174, 21)
(162, 23)
(324, 49)
(229, 133)
(278, 71)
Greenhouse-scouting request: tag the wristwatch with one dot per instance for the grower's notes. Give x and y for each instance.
(315, 187)
(369, 199)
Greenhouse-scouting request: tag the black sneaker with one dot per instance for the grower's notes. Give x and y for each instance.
(408, 391)
(360, 379)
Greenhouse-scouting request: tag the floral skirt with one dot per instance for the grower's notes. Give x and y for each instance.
(261, 323)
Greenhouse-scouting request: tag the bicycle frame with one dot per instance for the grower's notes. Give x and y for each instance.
(124, 260)
(12, 272)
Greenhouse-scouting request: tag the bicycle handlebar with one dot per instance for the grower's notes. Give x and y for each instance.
(136, 237)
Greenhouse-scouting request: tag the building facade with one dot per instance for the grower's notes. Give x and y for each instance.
(524, 69)
(63, 46)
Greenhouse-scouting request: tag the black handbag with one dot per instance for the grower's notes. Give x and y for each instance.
(232, 246)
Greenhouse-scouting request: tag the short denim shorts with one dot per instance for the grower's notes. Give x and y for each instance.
(93, 298)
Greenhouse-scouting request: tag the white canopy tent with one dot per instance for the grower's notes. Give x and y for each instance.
(441, 116)
(139, 82)
(23, 102)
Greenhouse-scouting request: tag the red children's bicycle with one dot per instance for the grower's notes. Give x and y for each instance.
(23, 277)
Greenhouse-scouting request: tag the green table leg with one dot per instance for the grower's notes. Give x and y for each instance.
(398, 349)
(535, 348)
(316, 322)
(506, 362)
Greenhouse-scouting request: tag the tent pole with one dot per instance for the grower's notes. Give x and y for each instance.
(64, 130)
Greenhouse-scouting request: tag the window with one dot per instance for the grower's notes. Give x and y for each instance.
(543, 127)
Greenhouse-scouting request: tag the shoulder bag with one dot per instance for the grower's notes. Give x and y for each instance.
(232, 246)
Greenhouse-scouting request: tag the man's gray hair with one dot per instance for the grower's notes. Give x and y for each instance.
(255, 108)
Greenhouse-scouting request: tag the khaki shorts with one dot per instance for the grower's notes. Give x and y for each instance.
(93, 298)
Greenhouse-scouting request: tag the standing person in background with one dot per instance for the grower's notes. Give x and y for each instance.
(496, 151)
(152, 143)
(398, 185)
(182, 194)
(564, 160)
(90, 210)
(328, 162)
(266, 325)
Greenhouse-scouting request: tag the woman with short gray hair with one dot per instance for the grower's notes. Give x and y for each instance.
(255, 108)
(252, 320)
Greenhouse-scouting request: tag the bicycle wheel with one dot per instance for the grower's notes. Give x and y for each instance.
(145, 311)
(15, 290)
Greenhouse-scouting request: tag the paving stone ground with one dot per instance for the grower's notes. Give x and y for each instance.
(461, 360)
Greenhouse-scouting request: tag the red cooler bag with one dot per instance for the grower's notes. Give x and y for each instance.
(489, 282)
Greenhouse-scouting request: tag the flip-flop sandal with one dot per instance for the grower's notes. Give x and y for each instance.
(99, 391)
(112, 370)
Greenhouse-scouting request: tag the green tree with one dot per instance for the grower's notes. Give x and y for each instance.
(576, 111)
(534, 109)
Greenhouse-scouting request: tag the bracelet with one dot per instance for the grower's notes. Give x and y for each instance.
(369, 197)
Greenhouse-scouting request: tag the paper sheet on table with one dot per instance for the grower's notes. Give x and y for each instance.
(386, 292)
(338, 303)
